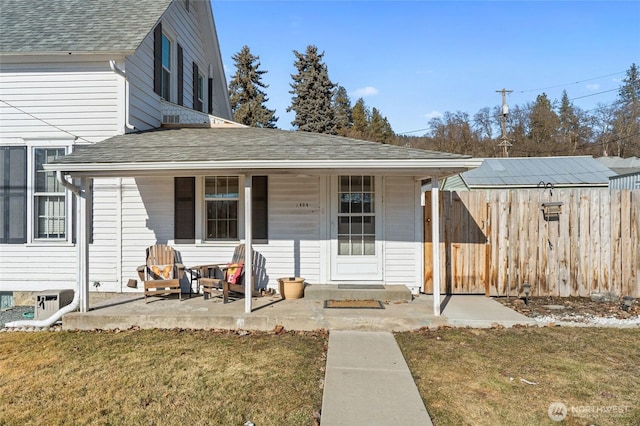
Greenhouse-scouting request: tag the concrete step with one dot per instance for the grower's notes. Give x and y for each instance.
(357, 292)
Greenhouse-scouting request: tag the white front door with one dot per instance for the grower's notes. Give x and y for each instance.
(356, 224)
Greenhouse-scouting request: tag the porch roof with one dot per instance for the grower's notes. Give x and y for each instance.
(193, 151)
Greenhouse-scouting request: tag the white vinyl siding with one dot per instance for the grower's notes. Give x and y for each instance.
(61, 98)
(402, 239)
(188, 29)
(52, 100)
(104, 250)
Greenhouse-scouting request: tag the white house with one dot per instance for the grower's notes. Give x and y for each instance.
(116, 135)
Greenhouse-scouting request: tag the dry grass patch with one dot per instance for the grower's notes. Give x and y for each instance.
(472, 377)
(161, 377)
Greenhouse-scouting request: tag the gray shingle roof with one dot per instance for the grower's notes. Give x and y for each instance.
(238, 144)
(38, 26)
(531, 171)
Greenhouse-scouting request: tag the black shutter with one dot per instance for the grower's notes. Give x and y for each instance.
(197, 105)
(184, 208)
(157, 59)
(260, 208)
(180, 76)
(13, 195)
(210, 96)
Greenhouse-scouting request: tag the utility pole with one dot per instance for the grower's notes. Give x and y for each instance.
(504, 140)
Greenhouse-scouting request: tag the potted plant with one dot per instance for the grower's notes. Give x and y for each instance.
(291, 287)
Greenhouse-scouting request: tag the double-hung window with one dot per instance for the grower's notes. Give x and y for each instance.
(166, 67)
(200, 90)
(222, 199)
(221, 211)
(49, 198)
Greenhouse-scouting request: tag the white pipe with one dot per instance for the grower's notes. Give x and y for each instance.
(52, 319)
(123, 74)
(64, 182)
(76, 294)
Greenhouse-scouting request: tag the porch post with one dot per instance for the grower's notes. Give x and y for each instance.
(248, 249)
(435, 239)
(82, 242)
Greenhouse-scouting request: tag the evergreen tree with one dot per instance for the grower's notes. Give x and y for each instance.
(569, 124)
(360, 117)
(342, 110)
(626, 125)
(543, 121)
(246, 94)
(379, 128)
(313, 93)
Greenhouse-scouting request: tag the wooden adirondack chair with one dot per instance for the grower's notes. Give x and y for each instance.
(227, 278)
(161, 273)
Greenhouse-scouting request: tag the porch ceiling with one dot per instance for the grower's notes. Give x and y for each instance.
(243, 150)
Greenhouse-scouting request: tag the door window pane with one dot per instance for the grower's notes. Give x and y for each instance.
(356, 216)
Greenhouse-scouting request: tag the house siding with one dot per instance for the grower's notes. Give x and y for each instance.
(297, 226)
(50, 99)
(402, 239)
(104, 251)
(188, 31)
(61, 97)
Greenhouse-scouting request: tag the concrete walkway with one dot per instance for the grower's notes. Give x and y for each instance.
(367, 382)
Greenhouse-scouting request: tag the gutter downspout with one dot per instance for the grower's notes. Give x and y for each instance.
(123, 74)
(76, 295)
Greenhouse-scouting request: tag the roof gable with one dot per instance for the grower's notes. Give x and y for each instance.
(79, 26)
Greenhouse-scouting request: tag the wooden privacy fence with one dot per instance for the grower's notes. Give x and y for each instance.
(491, 242)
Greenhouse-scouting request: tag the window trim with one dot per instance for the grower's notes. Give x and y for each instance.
(200, 211)
(200, 90)
(49, 196)
(165, 31)
(31, 205)
(164, 36)
(240, 208)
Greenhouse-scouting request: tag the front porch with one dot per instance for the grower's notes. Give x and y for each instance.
(126, 311)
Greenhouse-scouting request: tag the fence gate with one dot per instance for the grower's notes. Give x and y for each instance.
(464, 246)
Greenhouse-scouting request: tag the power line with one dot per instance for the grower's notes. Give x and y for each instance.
(45, 122)
(521, 109)
(568, 84)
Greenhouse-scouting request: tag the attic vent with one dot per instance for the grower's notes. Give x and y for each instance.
(171, 118)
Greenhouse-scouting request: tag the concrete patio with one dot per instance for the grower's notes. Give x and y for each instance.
(126, 311)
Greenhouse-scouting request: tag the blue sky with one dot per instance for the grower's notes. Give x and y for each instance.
(413, 60)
